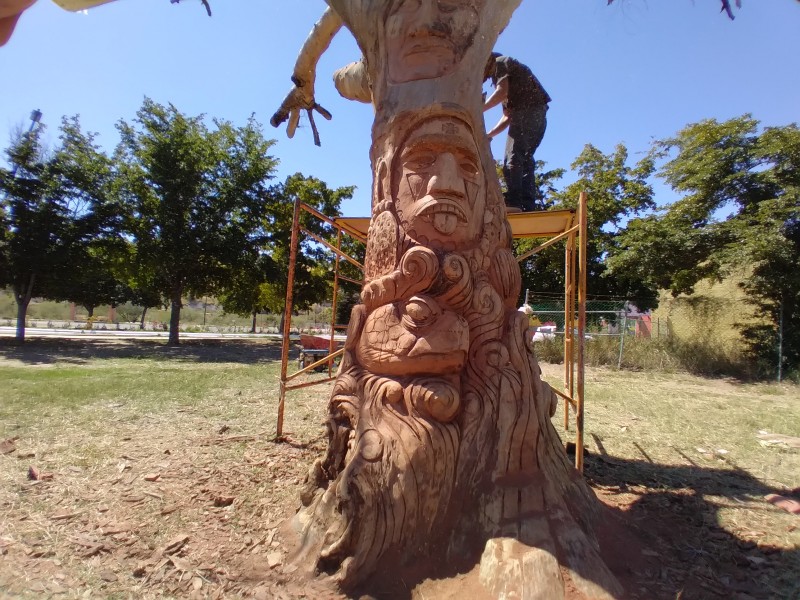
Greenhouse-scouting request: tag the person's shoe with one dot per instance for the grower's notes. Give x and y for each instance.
(513, 209)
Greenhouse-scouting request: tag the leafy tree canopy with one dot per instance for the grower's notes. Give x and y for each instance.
(55, 207)
(260, 285)
(740, 207)
(617, 192)
(196, 197)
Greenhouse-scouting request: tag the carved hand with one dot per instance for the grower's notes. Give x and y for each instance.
(299, 98)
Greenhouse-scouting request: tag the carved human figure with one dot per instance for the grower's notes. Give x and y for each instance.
(427, 38)
(439, 432)
(440, 188)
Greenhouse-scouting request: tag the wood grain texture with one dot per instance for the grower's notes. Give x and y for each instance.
(439, 430)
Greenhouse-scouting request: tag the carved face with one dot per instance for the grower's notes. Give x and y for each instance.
(439, 184)
(413, 337)
(427, 38)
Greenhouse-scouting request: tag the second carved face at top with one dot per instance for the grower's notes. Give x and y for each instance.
(428, 38)
(439, 184)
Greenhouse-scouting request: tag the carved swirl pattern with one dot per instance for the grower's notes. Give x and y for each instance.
(418, 269)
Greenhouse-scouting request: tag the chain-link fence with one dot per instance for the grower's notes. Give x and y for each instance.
(701, 333)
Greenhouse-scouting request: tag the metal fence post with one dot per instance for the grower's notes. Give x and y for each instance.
(780, 343)
(622, 332)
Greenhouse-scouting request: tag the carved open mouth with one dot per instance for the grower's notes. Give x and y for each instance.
(443, 212)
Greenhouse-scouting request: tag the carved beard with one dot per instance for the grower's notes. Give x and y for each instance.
(388, 429)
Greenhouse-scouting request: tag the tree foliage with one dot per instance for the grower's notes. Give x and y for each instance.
(260, 284)
(739, 207)
(56, 211)
(617, 192)
(195, 197)
(95, 222)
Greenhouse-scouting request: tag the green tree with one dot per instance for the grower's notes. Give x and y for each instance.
(196, 198)
(54, 206)
(247, 291)
(260, 283)
(94, 223)
(739, 205)
(616, 192)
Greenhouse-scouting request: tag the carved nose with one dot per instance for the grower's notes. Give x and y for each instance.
(428, 11)
(427, 20)
(446, 176)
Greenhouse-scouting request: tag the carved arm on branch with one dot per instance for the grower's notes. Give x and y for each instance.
(301, 96)
(726, 7)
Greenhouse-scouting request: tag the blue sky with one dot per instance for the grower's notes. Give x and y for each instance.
(630, 72)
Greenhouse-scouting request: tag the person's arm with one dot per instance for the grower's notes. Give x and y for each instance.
(502, 124)
(500, 94)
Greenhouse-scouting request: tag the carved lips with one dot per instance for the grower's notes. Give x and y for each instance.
(444, 213)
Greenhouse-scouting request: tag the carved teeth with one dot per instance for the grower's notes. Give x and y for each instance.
(444, 214)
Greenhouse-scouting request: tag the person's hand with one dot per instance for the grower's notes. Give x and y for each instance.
(10, 11)
(300, 97)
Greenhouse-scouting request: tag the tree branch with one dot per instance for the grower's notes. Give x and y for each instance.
(726, 7)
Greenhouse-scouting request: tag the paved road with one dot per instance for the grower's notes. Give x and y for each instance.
(32, 332)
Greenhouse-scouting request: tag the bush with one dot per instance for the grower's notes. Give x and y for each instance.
(700, 357)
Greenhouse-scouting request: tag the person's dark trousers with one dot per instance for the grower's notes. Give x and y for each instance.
(525, 133)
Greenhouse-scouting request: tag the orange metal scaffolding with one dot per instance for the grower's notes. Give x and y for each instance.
(553, 226)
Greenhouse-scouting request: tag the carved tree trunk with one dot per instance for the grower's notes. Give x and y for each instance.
(440, 440)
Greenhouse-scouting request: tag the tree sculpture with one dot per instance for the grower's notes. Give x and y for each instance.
(440, 442)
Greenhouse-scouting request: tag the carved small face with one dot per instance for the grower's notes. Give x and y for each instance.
(427, 38)
(440, 184)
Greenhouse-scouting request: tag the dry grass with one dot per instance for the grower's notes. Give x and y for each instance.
(134, 452)
(681, 454)
(166, 480)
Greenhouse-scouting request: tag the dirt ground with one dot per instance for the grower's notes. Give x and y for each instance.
(180, 505)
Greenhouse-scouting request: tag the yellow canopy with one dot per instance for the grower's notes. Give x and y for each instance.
(538, 224)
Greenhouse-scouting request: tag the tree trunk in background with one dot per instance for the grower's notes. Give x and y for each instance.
(175, 317)
(141, 321)
(255, 317)
(23, 299)
(441, 453)
(22, 312)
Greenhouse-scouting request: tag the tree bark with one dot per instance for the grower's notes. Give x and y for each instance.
(141, 321)
(175, 317)
(441, 453)
(22, 296)
(255, 317)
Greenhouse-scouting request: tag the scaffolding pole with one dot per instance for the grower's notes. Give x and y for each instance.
(287, 315)
(582, 249)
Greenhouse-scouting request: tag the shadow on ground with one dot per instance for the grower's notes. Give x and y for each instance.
(72, 351)
(676, 511)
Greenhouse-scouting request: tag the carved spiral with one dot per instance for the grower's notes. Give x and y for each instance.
(456, 272)
(420, 266)
(505, 276)
(435, 398)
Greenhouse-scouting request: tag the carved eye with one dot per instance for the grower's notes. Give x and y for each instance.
(420, 161)
(407, 6)
(468, 166)
(449, 5)
(419, 313)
